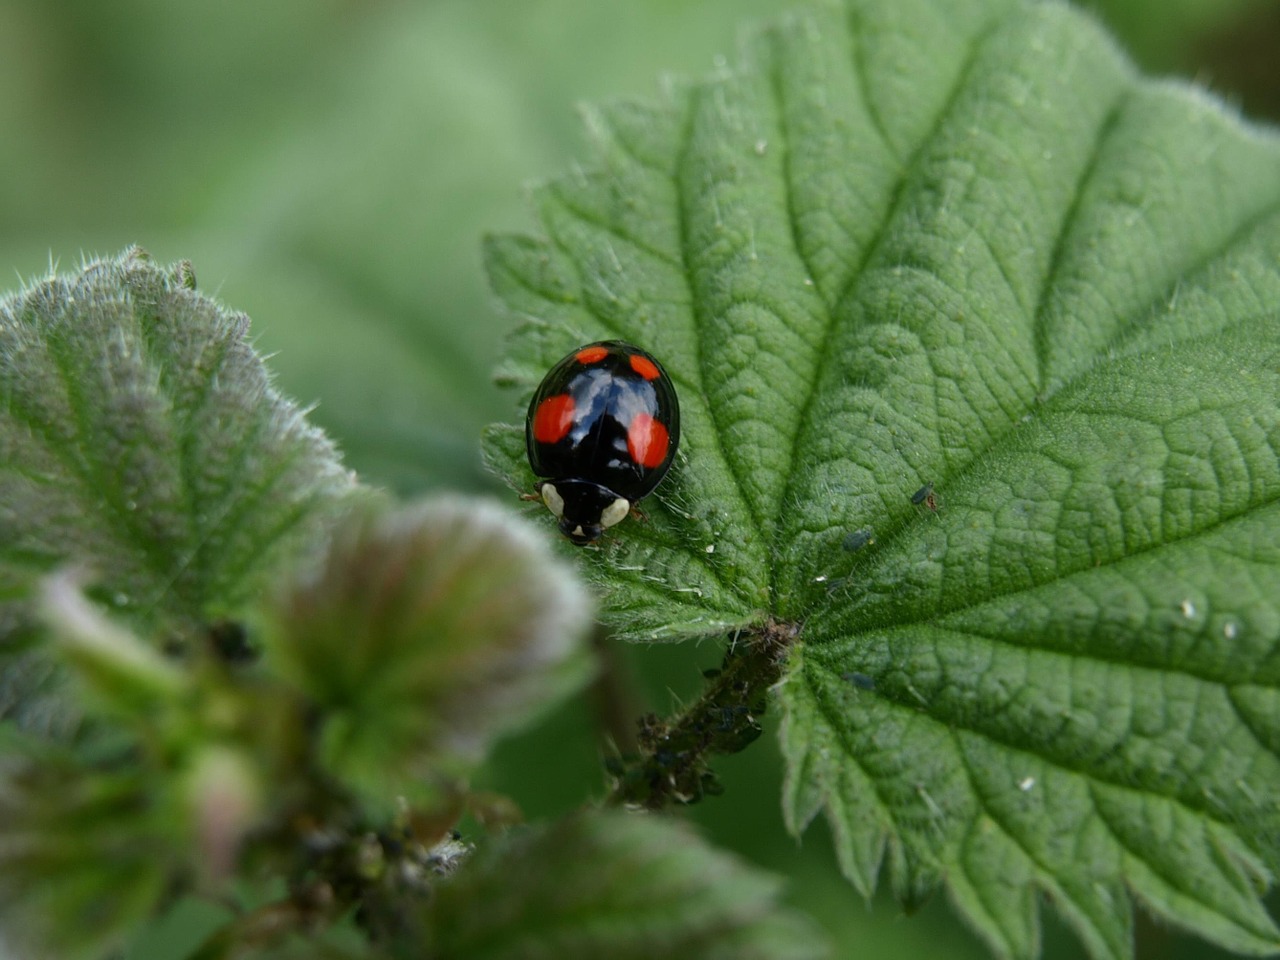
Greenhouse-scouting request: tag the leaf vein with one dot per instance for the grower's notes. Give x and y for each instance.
(684, 158)
(1048, 877)
(954, 722)
(1132, 553)
(613, 230)
(1176, 881)
(95, 475)
(805, 426)
(1065, 226)
(832, 721)
(855, 25)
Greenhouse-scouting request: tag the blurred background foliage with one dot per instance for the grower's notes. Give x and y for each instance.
(330, 167)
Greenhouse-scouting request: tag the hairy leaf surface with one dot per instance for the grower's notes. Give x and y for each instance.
(141, 439)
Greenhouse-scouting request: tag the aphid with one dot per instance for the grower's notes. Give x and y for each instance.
(857, 539)
(925, 495)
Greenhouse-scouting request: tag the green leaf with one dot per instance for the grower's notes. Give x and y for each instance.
(978, 349)
(141, 439)
(424, 632)
(615, 885)
(85, 854)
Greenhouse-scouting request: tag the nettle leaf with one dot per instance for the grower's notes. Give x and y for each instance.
(85, 853)
(425, 631)
(978, 349)
(615, 885)
(141, 439)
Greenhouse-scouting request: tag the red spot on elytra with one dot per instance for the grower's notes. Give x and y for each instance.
(645, 367)
(647, 441)
(591, 355)
(553, 418)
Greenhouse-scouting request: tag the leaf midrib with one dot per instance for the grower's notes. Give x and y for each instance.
(799, 444)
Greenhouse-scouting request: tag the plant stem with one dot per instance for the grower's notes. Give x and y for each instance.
(671, 763)
(614, 699)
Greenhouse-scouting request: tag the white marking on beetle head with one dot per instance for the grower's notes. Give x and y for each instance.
(615, 512)
(551, 497)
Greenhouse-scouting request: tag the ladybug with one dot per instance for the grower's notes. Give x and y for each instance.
(601, 431)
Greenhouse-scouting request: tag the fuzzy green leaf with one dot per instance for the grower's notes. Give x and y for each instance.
(613, 885)
(85, 854)
(978, 350)
(141, 439)
(427, 630)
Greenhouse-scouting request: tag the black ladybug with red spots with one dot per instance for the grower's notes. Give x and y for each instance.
(601, 432)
